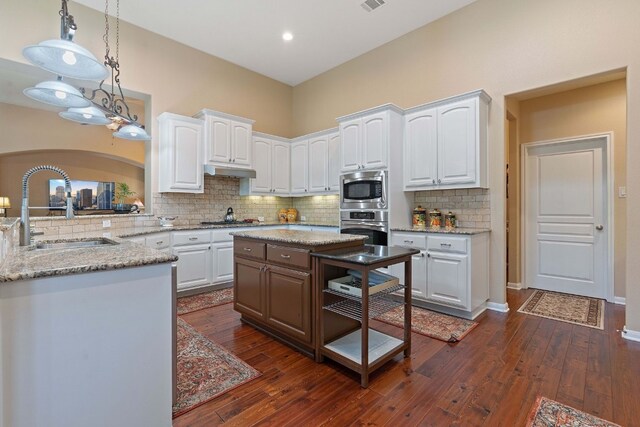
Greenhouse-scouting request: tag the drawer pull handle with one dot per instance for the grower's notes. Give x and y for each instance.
(193, 238)
(247, 249)
(159, 242)
(447, 245)
(408, 241)
(285, 256)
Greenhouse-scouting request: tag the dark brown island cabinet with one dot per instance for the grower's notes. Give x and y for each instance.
(282, 287)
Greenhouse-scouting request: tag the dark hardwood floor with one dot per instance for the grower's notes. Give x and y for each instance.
(491, 378)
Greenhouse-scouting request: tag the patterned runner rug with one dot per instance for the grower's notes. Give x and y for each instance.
(205, 300)
(549, 413)
(434, 325)
(205, 370)
(568, 308)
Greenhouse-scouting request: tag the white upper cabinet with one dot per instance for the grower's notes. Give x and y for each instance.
(445, 144)
(299, 167)
(227, 139)
(180, 154)
(334, 162)
(318, 164)
(365, 138)
(272, 164)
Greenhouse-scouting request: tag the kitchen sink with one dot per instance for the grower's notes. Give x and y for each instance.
(74, 244)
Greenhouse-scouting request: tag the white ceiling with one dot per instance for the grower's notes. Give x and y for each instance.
(248, 33)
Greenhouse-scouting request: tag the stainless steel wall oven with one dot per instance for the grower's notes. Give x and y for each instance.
(373, 224)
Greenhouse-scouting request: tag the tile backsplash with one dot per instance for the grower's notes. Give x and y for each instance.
(323, 209)
(471, 206)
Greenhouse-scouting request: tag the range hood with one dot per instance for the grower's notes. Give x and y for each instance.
(226, 171)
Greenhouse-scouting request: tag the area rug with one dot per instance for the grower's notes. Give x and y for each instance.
(205, 370)
(568, 308)
(549, 413)
(205, 300)
(434, 325)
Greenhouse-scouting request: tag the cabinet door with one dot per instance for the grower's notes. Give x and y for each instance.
(182, 155)
(333, 170)
(418, 274)
(288, 299)
(457, 142)
(262, 164)
(248, 287)
(222, 262)
(350, 142)
(421, 149)
(194, 265)
(218, 144)
(375, 140)
(299, 167)
(447, 279)
(280, 168)
(240, 144)
(318, 164)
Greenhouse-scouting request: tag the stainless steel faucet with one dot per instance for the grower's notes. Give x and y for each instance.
(25, 234)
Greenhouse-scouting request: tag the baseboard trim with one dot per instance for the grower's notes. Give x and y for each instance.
(516, 286)
(494, 306)
(620, 300)
(630, 335)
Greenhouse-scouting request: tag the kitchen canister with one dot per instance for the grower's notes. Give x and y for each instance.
(419, 217)
(292, 215)
(435, 218)
(282, 215)
(450, 220)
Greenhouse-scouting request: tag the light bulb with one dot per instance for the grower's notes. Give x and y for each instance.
(287, 36)
(87, 115)
(69, 57)
(60, 94)
(132, 133)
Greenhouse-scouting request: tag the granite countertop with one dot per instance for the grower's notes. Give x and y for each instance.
(443, 230)
(30, 263)
(368, 255)
(141, 231)
(305, 238)
(7, 223)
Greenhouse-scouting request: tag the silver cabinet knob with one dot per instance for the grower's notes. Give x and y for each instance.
(599, 227)
(434, 181)
(439, 180)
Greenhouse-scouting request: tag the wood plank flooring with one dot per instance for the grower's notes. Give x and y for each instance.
(491, 378)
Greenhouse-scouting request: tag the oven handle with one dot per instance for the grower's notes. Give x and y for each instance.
(376, 226)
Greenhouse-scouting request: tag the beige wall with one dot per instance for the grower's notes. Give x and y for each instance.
(594, 109)
(81, 165)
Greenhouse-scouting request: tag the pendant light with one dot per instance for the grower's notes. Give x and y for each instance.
(58, 93)
(64, 57)
(132, 132)
(87, 116)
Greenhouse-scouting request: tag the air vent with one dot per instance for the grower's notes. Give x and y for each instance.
(370, 5)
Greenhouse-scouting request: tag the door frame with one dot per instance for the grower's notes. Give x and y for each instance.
(608, 223)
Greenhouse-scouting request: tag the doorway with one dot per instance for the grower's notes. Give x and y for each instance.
(566, 216)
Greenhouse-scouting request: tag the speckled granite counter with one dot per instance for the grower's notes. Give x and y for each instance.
(28, 263)
(466, 231)
(304, 238)
(7, 223)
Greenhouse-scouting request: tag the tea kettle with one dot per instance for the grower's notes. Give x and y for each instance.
(229, 217)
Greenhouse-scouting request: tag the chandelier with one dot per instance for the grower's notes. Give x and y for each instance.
(65, 58)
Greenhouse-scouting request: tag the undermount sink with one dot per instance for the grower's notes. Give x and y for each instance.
(73, 244)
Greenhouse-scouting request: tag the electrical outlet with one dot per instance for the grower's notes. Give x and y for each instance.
(106, 223)
(106, 235)
(303, 218)
(622, 192)
(260, 219)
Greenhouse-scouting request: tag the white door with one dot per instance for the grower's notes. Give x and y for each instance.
(222, 258)
(262, 164)
(194, 265)
(299, 167)
(565, 210)
(240, 144)
(421, 149)
(218, 146)
(318, 164)
(187, 156)
(350, 136)
(457, 141)
(447, 280)
(280, 168)
(374, 140)
(334, 162)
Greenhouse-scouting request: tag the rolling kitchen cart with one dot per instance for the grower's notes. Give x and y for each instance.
(353, 343)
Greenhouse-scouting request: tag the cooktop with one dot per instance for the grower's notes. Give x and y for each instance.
(223, 222)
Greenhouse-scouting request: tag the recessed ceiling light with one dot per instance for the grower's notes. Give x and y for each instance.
(287, 36)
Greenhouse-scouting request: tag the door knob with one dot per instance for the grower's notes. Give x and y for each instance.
(599, 227)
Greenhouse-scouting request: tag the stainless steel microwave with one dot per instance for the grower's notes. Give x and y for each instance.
(364, 190)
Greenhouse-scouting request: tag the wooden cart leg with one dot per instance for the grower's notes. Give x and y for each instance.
(407, 307)
(364, 378)
(319, 329)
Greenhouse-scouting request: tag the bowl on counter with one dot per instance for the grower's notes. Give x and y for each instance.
(167, 221)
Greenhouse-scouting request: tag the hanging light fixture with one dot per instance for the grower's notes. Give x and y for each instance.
(97, 107)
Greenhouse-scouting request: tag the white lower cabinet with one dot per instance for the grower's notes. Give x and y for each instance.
(194, 265)
(450, 274)
(222, 262)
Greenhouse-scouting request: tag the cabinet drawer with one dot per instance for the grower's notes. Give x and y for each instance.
(411, 240)
(249, 249)
(447, 244)
(159, 241)
(222, 235)
(191, 237)
(288, 256)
